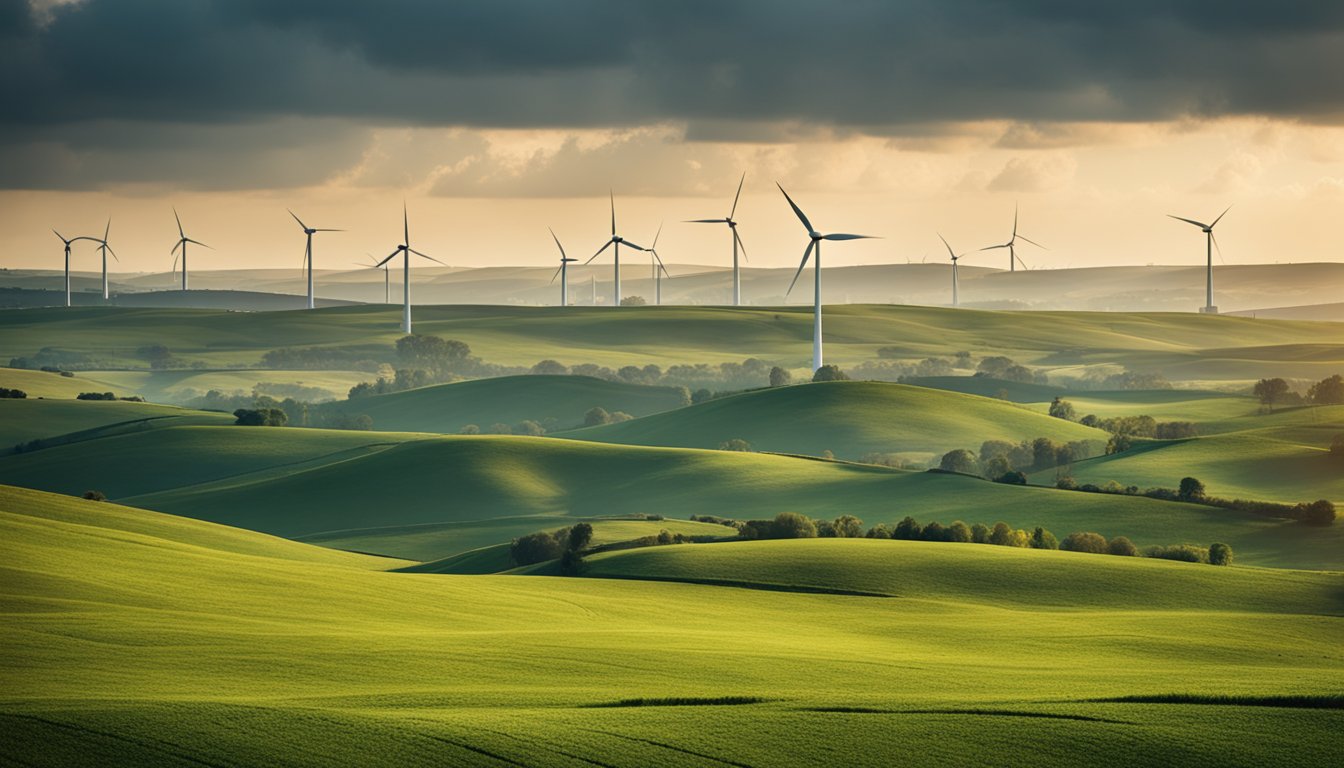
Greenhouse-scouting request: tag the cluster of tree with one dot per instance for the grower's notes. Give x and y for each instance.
(95, 496)
(1127, 380)
(260, 417)
(891, 460)
(107, 396)
(401, 380)
(362, 357)
(749, 374)
(780, 377)
(12, 394)
(1006, 369)
(1003, 461)
(160, 357)
(1327, 391)
(298, 413)
(1191, 490)
(830, 373)
(294, 391)
(598, 416)
(785, 525)
(527, 427)
(891, 366)
(56, 360)
(565, 544)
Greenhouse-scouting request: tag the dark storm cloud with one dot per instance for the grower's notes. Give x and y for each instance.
(728, 68)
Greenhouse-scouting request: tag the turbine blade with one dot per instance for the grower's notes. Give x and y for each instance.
(1217, 247)
(738, 195)
(557, 245)
(1014, 220)
(656, 235)
(1199, 224)
(174, 269)
(391, 256)
(599, 252)
(705, 221)
(328, 230)
(632, 245)
(1020, 261)
(949, 247)
(613, 212)
(1033, 242)
(180, 233)
(114, 253)
(1220, 217)
(296, 218)
(806, 255)
(107, 229)
(426, 256)
(741, 245)
(405, 224)
(557, 273)
(198, 242)
(850, 237)
(994, 247)
(801, 216)
(179, 245)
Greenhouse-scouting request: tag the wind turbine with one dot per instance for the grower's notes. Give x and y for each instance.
(1013, 260)
(406, 250)
(737, 241)
(387, 280)
(955, 299)
(656, 262)
(106, 249)
(182, 241)
(1210, 242)
(67, 260)
(814, 241)
(617, 241)
(562, 272)
(308, 252)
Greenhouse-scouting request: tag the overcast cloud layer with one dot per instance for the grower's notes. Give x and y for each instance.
(286, 93)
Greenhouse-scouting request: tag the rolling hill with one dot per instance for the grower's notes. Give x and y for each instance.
(849, 418)
(25, 420)
(278, 652)
(301, 483)
(556, 402)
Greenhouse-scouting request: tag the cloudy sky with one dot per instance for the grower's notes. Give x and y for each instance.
(493, 119)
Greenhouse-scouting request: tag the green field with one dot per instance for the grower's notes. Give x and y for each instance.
(560, 401)
(24, 420)
(180, 386)
(40, 384)
(278, 652)
(848, 418)
(1182, 346)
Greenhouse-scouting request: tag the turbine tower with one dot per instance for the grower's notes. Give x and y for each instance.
(182, 241)
(814, 241)
(956, 301)
(1210, 242)
(406, 250)
(737, 241)
(106, 249)
(562, 272)
(308, 252)
(387, 280)
(67, 260)
(1013, 259)
(656, 262)
(617, 241)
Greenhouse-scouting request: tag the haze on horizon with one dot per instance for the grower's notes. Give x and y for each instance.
(494, 120)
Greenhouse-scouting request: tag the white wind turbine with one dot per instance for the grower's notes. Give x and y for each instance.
(387, 280)
(308, 252)
(656, 262)
(182, 241)
(67, 259)
(1011, 245)
(617, 241)
(737, 241)
(814, 241)
(1210, 242)
(106, 249)
(956, 301)
(406, 250)
(562, 272)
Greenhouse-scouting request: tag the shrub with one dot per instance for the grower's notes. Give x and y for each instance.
(618, 416)
(1093, 543)
(260, 417)
(596, 417)
(1320, 512)
(12, 394)
(959, 533)
(1220, 554)
(791, 525)
(780, 377)
(1182, 552)
(934, 531)
(1066, 483)
(1190, 490)
(95, 496)
(1062, 409)
(979, 533)
(959, 460)
(1122, 546)
(829, 373)
(1012, 477)
(907, 529)
(735, 444)
(1001, 535)
(95, 396)
(847, 527)
(1043, 539)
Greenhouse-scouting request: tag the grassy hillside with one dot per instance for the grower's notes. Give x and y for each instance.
(295, 482)
(24, 420)
(1209, 410)
(179, 386)
(1183, 346)
(559, 401)
(278, 653)
(52, 385)
(849, 418)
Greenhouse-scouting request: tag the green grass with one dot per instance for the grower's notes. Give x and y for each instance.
(1209, 410)
(25, 420)
(557, 401)
(849, 418)
(52, 385)
(265, 651)
(1183, 346)
(180, 386)
(298, 482)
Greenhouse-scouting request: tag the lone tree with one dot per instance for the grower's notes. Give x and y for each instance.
(1220, 554)
(1270, 391)
(830, 373)
(595, 417)
(959, 460)
(260, 417)
(780, 377)
(847, 527)
(1062, 409)
(1328, 391)
(791, 525)
(580, 536)
(1320, 512)
(1190, 490)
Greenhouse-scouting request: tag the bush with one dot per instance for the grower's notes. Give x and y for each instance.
(907, 529)
(618, 416)
(958, 533)
(1093, 543)
(1191, 490)
(95, 496)
(633, 301)
(1043, 539)
(1123, 547)
(1320, 512)
(829, 373)
(1062, 409)
(735, 444)
(1012, 477)
(791, 525)
(596, 417)
(1220, 554)
(959, 460)
(780, 377)
(13, 394)
(95, 396)
(934, 531)
(1182, 552)
(979, 533)
(260, 417)
(847, 527)
(1066, 483)
(1001, 535)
